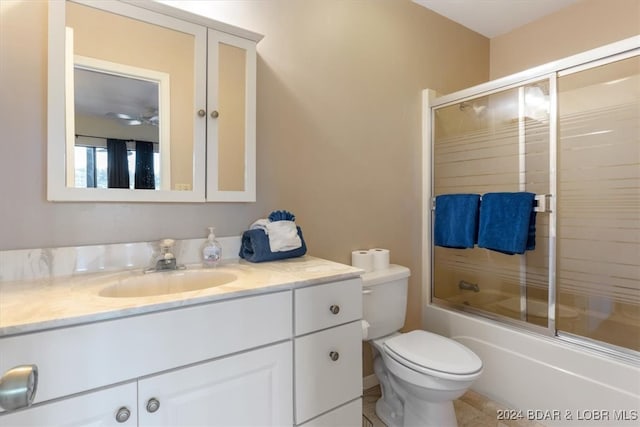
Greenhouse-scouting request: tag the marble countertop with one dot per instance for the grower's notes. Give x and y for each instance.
(42, 304)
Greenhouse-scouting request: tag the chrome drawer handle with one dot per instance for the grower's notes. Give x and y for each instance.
(18, 387)
(335, 309)
(334, 355)
(123, 414)
(153, 405)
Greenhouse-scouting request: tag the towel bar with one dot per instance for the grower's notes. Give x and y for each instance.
(541, 203)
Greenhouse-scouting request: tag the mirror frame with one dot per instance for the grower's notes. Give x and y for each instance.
(59, 130)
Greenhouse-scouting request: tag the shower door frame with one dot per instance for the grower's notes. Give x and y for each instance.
(606, 54)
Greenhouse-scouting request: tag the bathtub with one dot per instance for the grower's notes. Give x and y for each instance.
(480, 299)
(547, 380)
(508, 304)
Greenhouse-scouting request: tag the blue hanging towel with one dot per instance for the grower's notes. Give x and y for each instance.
(456, 220)
(507, 222)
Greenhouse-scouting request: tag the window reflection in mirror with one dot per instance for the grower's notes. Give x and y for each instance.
(133, 84)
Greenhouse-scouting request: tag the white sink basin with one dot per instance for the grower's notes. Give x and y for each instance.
(163, 283)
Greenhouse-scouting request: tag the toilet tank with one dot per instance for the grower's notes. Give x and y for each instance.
(384, 300)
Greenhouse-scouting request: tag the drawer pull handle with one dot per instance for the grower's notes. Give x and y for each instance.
(153, 405)
(335, 309)
(334, 355)
(18, 387)
(123, 414)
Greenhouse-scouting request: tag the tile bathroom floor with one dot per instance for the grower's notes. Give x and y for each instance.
(472, 410)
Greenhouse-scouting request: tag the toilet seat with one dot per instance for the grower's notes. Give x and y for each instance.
(433, 355)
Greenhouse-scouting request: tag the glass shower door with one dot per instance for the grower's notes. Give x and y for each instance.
(497, 142)
(598, 246)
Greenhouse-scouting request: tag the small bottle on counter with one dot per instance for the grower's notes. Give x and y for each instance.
(211, 250)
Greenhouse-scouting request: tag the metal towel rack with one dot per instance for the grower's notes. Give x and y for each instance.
(542, 204)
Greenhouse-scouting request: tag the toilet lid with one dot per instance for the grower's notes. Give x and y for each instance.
(433, 352)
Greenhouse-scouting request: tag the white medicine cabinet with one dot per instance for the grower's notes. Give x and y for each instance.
(149, 103)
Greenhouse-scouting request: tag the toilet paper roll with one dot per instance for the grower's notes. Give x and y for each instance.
(365, 330)
(362, 259)
(380, 258)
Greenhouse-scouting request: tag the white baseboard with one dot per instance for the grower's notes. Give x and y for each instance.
(369, 381)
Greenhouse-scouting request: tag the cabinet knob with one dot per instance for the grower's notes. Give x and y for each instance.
(153, 405)
(202, 113)
(215, 114)
(334, 355)
(123, 414)
(335, 309)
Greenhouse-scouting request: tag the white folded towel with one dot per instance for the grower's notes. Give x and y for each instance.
(261, 224)
(283, 235)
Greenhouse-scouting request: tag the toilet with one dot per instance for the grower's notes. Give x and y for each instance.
(420, 373)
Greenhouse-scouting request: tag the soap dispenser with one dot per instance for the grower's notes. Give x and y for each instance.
(211, 250)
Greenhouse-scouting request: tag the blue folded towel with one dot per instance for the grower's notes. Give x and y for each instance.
(254, 247)
(281, 216)
(507, 222)
(456, 221)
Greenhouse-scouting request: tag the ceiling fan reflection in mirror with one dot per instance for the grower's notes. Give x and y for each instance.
(149, 118)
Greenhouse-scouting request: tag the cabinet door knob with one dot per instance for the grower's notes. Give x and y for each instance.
(334, 355)
(202, 113)
(153, 405)
(215, 114)
(335, 309)
(123, 414)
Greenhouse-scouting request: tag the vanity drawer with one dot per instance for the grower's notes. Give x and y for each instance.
(323, 306)
(328, 366)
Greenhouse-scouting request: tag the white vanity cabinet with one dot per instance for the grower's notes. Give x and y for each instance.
(328, 354)
(99, 408)
(249, 389)
(206, 364)
(279, 358)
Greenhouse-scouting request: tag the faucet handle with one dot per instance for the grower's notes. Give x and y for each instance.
(167, 243)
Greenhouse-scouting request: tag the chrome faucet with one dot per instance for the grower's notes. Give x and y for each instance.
(462, 284)
(166, 260)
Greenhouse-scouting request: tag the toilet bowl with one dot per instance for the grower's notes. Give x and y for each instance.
(420, 373)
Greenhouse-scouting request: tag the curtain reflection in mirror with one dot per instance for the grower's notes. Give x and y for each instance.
(117, 164)
(144, 173)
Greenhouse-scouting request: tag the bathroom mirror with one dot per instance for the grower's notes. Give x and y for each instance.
(121, 137)
(123, 122)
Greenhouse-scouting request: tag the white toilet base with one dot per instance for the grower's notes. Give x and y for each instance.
(429, 414)
(417, 414)
(388, 416)
(389, 408)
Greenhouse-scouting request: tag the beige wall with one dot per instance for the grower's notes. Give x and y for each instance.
(582, 26)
